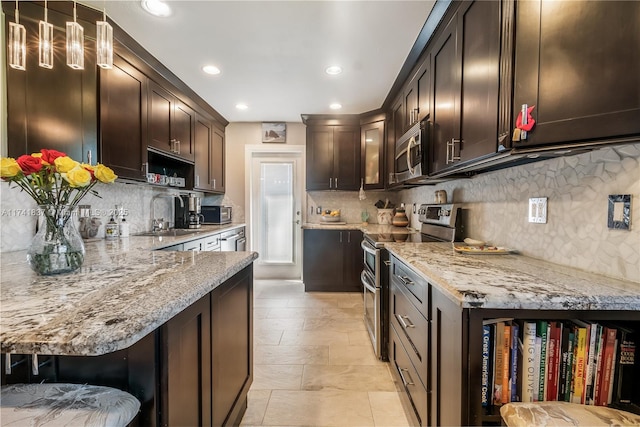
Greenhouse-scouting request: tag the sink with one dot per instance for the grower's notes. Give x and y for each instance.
(171, 233)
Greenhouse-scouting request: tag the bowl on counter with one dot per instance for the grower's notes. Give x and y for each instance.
(328, 218)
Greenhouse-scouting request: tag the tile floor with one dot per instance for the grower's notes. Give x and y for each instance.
(314, 363)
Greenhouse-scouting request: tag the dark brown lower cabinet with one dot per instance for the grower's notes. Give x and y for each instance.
(332, 260)
(195, 370)
(451, 395)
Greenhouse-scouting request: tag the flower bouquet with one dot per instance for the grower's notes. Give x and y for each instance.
(57, 183)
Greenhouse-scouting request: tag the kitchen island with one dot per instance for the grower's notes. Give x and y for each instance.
(172, 328)
(440, 299)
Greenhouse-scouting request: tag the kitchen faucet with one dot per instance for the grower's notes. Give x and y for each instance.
(157, 223)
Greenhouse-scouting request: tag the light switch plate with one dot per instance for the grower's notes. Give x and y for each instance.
(538, 210)
(619, 212)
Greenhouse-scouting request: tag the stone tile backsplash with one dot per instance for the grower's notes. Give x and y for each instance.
(577, 188)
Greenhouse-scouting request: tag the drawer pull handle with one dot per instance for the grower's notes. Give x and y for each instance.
(387, 263)
(406, 280)
(404, 381)
(405, 321)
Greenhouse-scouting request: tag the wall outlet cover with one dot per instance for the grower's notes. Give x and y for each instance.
(619, 212)
(538, 210)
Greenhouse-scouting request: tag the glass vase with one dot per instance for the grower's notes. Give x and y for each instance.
(57, 247)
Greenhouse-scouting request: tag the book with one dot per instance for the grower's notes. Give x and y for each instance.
(553, 360)
(498, 363)
(506, 364)
(541, 331)
(626, 370)
(613, 373)
(582, 332)
(513, 378)
(528, 360)
(570, 350)
(537, 385)
(599, 368)
(486, 365)
(592, 351)
(609, 338)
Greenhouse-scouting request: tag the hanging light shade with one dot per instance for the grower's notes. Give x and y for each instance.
(45, 39)
(104, 43)
(75, 43)
(17, 43)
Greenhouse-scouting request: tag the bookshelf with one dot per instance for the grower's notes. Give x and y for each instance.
(471, 391)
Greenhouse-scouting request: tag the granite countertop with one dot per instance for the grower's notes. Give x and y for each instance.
(122, 292)
(365, 228)
(514, 281)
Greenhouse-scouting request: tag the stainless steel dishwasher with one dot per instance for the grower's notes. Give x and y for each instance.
(233, 240)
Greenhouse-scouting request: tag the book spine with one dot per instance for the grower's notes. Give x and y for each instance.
(626, 366)
(536, 390)
(506, 364)
(542, 327)
(499, 361)
(570, 365)
(528, 360)
(578, 380)
(592, 350)
(551, 351)
(607, 365)
(515, 329)
(486, 365)
(613, 373)
(599, 371)
(554, 360)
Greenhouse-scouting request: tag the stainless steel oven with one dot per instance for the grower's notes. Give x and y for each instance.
(373, 278)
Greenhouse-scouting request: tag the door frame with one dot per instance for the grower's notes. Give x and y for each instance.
(250, 151)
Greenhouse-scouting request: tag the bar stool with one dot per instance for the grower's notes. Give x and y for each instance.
(59, 404)
(521, 414)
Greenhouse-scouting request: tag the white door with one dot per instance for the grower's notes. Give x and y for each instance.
(276, 214)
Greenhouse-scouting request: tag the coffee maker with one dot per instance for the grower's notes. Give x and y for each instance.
(187, 213)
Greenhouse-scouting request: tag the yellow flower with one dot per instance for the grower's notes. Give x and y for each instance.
(9, 167)
(104, 174)
(77, 177)
(65, 164)
(39, 155)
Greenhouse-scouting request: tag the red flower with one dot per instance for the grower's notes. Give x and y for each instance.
(29, 164)
(49, 156)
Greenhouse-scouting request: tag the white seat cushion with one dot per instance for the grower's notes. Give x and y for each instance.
(66, 405)
(521, 414)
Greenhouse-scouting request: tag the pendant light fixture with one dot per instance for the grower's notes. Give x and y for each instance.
(75, 43)
(45, 39)
(104, 42)
(17, 43)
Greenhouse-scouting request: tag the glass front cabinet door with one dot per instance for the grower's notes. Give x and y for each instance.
(372, 167)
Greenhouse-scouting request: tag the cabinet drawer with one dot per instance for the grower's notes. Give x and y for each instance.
(413, 329)
(416, 286)
(406, 374)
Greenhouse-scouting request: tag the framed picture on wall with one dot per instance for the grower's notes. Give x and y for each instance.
(274, 132)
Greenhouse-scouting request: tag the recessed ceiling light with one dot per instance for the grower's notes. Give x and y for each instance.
(333, 70)
(335, 106)
(156, 7)
(211, 69)
(242, 106)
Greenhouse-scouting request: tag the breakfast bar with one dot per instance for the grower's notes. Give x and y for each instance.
(172, 328)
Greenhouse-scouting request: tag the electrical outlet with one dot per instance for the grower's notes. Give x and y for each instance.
(538, 210)
(318, 210)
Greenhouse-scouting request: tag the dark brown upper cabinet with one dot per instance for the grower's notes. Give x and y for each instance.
(51, 108)
(333, 156)
(171, 123)
(395, 129)
(218, 160)
(416, 96)
(372, 140)
(465, 65)
(123, 120)
(209, 156)
(578, 63)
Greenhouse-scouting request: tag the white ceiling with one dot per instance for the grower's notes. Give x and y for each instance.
(273, 53)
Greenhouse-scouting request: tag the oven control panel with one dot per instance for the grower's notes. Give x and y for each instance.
(444, 215)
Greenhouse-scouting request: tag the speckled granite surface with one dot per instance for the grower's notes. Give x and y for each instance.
(514, 281)
(369, 228)
(123, 291)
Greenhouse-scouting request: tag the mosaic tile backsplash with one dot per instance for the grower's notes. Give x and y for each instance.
(577, 188)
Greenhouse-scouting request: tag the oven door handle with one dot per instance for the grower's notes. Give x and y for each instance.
(365, 282)
(367, 248)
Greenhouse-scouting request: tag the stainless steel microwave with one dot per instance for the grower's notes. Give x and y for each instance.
(216, 214)
(411, 154)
